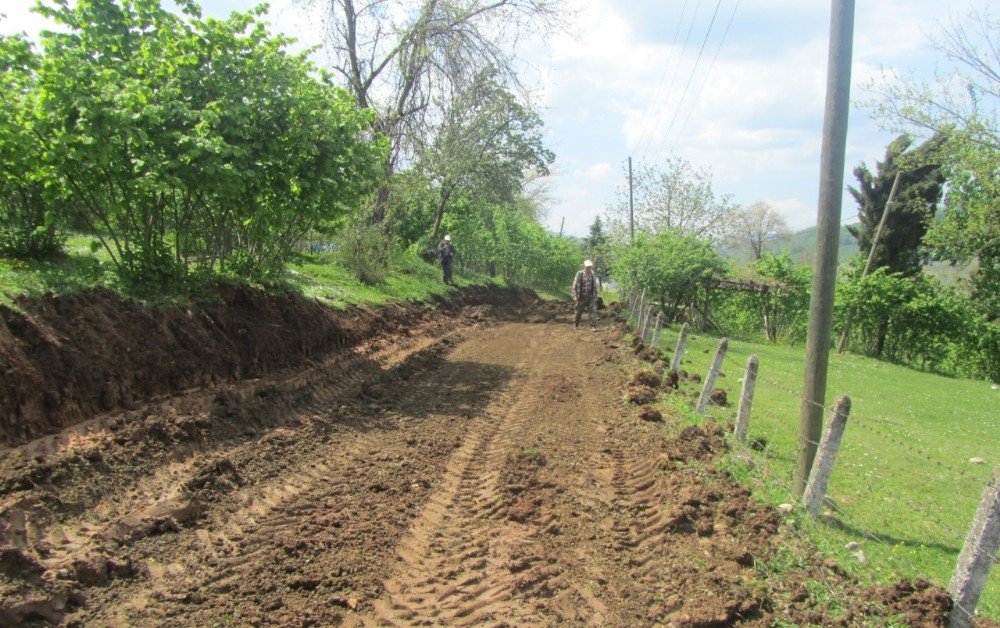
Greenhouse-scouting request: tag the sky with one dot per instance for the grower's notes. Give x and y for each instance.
(733, 86)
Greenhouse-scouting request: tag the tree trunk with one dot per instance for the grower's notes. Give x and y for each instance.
(883, 331)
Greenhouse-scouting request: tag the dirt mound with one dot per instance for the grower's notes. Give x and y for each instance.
(644, 378)
(66, 359)
(640, 395)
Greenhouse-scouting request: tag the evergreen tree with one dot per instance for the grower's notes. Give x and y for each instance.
(595, 247)
(920, 187)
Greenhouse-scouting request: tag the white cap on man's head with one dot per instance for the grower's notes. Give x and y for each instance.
(587, 263)
(448, 238)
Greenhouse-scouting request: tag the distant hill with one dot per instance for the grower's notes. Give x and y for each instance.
(801, 245)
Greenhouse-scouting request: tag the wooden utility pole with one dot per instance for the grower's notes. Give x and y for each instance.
(871, 260)
(631, 204)
(561, 225)
(831, 194)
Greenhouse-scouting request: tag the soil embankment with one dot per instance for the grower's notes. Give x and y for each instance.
(66, 359)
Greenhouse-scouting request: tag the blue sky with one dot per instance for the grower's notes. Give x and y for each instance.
(613, 85)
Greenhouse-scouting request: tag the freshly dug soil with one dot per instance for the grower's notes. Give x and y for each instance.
(66, 359)
(459, 466)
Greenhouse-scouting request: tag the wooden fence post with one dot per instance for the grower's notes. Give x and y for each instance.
(976, 559)
(826, 457)
(657, 328)
(706, 390)
(682, 339)
(746, 399)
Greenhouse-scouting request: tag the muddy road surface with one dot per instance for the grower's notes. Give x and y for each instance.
(470, 469)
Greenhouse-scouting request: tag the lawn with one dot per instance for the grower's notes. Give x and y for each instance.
(903, 487)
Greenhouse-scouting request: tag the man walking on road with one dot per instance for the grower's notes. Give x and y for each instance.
(585, 294)
(447, 253)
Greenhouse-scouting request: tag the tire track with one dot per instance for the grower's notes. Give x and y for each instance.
(462, 562)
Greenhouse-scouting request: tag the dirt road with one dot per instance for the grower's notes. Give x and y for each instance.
(470, 470)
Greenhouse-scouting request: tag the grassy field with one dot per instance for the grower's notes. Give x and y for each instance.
(903, 487)
(314, 274)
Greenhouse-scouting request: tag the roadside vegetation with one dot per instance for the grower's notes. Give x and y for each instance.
(154, 152)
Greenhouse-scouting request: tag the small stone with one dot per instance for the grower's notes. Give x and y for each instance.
(977, 461)
(852, 547)
(786, 508)
(860, 556)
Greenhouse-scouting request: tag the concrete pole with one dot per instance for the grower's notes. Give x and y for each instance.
(682, 339)
(657, 328)
(713, 373)
(831, 193)
(871, 260)
(645, 323)
(642, 304)
(746, 399)
(631, 203)
(976, 559)
(819, 479)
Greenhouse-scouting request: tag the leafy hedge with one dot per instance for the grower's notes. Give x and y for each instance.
(183, 145)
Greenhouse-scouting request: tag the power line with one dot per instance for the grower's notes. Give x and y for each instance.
(680, 60)
(666, 68)
(708, 76)
(687, 86)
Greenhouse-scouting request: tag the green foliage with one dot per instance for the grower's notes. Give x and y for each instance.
(364, 249)
(917, 321)
(969, 229)
(913, 208)
(189, 145)
(596, 247)
(671, 268)
(28, 227)
(781, 313)
(505, 242)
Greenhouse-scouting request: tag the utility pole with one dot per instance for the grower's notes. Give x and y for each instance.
(831, 194)
(561, 225)
(631, 203)
(871, 260)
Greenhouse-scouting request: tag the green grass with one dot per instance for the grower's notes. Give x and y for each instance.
(315, 275)
(318, 275)
(903, 473)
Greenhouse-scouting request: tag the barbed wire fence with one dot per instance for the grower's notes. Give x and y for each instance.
(979, 545)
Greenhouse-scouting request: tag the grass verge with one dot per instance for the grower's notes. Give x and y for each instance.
(903, 488)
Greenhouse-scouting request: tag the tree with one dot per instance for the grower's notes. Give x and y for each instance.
(920, 185)
(186, 142)
(595, 248)
(402, 59)
(756, 225)
(963, 103)
(677, 196)
(670, 266)
(28, 227)
(486, 145)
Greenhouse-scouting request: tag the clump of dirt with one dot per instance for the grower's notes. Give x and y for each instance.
(649, 413)
(718, 397)
(649, 354)
(523, 491)
(640, 395)
(694, 377)
(672, 380)
(644, 378)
